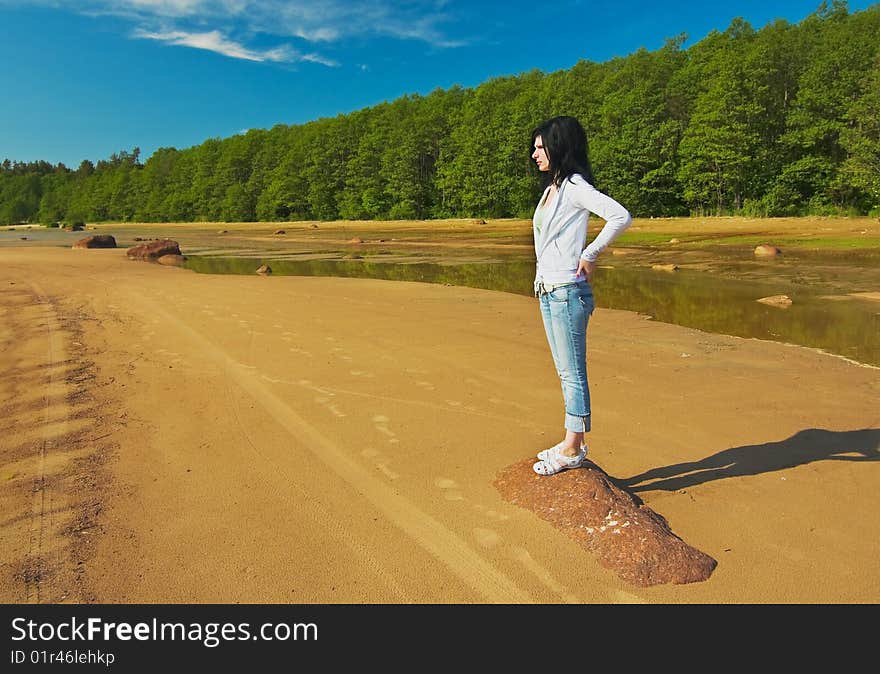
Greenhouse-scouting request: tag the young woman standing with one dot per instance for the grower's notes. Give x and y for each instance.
(565, 269)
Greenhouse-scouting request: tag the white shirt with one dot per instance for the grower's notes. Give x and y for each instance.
(561, 229)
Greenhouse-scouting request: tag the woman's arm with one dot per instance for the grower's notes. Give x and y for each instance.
(616, 217)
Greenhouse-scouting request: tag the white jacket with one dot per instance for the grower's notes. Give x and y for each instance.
(560, 240)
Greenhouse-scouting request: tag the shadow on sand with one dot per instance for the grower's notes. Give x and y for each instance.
(812, 444)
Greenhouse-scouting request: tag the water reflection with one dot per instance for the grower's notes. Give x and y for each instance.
(848, 327)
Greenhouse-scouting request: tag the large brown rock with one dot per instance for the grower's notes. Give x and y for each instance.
(614, 525)
(153, 250)
(96, 241)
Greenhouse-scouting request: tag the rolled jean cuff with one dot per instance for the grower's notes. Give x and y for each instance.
(577, 424)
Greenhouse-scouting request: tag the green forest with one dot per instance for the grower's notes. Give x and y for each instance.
(781, 121)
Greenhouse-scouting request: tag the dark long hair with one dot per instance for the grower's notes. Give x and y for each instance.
(565, 143)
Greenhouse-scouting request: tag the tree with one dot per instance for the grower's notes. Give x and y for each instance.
(860, 137)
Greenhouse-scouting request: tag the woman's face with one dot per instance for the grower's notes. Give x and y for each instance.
(540, 155)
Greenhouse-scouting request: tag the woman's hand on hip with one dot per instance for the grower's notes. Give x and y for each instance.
(585, 267)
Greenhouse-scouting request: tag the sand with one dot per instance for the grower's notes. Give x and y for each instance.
(171, 437)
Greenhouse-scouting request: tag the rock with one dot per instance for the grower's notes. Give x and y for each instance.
(783, 301)
(765, 250)
(665, 267)
(264, 269)
(356, 240)
(314, 226)
(153, 250)
(352, 256)
(75, 227)
(673, 241)
(171, 260)
(279, 231)
(479, 221)
(96, 241)
(614, 525)
(222, 231)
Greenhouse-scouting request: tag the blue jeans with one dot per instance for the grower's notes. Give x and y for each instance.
(566, 311)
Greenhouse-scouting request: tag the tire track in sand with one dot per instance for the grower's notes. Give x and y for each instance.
(43, 509)
(41, 365)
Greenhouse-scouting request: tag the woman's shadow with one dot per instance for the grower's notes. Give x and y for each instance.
(812, 444)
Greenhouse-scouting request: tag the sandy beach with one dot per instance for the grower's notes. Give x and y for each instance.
(172, 437)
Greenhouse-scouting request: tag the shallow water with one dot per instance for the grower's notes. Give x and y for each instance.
(714, 290)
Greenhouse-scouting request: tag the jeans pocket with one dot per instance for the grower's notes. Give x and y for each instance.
(586, 300)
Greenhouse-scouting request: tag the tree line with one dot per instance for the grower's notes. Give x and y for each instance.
(784, 120)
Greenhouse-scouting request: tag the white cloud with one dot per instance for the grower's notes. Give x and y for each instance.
(318, 21)
(317, 58)
(214, 41)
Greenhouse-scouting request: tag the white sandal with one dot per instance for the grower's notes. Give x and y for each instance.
(559, 462)
(546, 454)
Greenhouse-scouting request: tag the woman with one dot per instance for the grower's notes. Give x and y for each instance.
(565, 269)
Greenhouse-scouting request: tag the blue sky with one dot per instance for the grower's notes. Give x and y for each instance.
(81, 79)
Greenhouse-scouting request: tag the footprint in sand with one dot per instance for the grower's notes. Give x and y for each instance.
(339, 350)
(451, 493)
(380, 461)
(325, 398)
(491, 514)
(380, 422)
(390, 474)
(525, 558)
(450, 489)
(486, 537)
(328, 403)
(508, 403)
